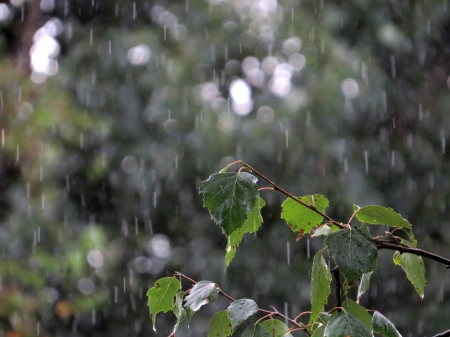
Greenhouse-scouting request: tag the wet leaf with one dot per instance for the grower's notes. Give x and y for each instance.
(300, 218)
(346, 324)
(414, 269)
(228, 197)
(319, 331)
(220, 325)
(378, 215)
(383, 326)
(255, 330)
(178, 310)
(251, 225)
(353, 253)
(240, 310)
(320, 286)
(161, 296)
(359, 312)
(322, 230)
(363, 285)
(276, 328)
(203, 292)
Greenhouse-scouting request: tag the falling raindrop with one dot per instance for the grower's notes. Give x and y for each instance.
(345, 165)
(116, 294)
(43, 201)
(288, 253)
(17, 153)
(287, 138)
(443, 144)
(91, 36)
(154, 199)
(124, 285)
(393, 68)
(94, 316)
(136, 225)
(308, 249)
(392, 158)
(38, 328)
(3, 137)
(366, 161)
(286, 313)
(41, 173)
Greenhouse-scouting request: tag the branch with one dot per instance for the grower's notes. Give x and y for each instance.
(275, 312)
(337, 281)
(277, 188)
(415, 251)
(443, 334)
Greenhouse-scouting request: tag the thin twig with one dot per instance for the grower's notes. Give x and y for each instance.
(185, 277)
(337, 281)
(415, 251)
(277, 188)
(443, 334)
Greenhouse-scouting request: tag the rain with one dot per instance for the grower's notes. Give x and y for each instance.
(112, 114)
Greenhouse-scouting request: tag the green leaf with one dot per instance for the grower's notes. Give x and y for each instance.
(255, 330)
(250, 225)
(346, 324)
(161, 296)
(240, 310)
(276, 328)
(202, 293)
(178, 310)
(414, 269)
(319, 331)
(359, 312)
(353, 253)
(225, 169)
(378, 215)
(220, 325)
(320, 286)
(363, 285)
(228, 197)
(383, 326)
(300, 218)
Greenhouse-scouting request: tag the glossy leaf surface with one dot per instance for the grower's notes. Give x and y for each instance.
(251, 225)
(353, 253)
(202, 293)
(240, 310)
(346, 324)
(228, 197)
(255, 330)
(383, 326)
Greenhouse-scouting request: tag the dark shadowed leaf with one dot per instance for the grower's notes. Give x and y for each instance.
(319, 331)
(240, 310)
(220, 325)
(353, 253)
(203, 292)
(346, 324)
(251, 225)
(161, 296)
(383, 326)
(300, 218)
(228, 197)
(320, 286)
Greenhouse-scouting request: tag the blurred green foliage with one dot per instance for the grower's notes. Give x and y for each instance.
(106, 156)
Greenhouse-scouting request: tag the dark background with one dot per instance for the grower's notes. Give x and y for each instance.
(101, 158)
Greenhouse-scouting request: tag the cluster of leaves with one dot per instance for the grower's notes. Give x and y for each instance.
(234, 203)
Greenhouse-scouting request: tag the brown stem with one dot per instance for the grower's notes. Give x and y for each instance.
(185, 277)
(277, 188)
(415, 251)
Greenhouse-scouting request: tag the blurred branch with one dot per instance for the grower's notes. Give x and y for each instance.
(26, 33)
